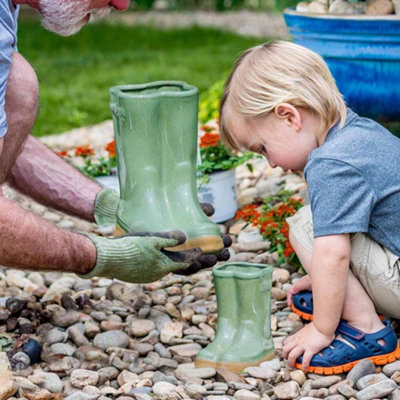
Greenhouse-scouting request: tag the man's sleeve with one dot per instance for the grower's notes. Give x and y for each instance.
(341, 199)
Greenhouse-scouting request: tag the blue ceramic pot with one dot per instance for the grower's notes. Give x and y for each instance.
(363, 54)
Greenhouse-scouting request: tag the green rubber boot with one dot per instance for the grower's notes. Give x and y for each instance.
(227, 305)
(252, 340)
(155, 128)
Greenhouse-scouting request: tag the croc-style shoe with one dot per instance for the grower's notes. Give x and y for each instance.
(341, 356)
(302, 304)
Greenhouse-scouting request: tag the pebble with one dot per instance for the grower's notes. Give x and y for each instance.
(62, 348)
(261, 372)
(286, 391)
(390, 369)
(377, 390)
(81, 378)
(298, 376)
(109, 339)
(325, 382)
(362, 368)
(48, 380)
(244, 394)
(170, 331)
(164, 388)
(367, 380)
(346, 390)
(142, 327)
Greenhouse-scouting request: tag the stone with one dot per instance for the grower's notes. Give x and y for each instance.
(280, 275)
(64, 318)
(127, 377)
(286, 391)
(317, 7)
(274, 364)
(109, 339)
(395, 395)
(202, 373)
(346, 389)
(171, 330)
(390, 369)
(185, 350)
(164, 388)
(142, 327)
(362, 368)
(244, 394)
(346, 7)
(64, 365)
(47, 380)
(82, 377)
(63, 349)
(107, 374)
(367, 380)
(8, 386)
(298, 376)
(160, 377)
(228, 376)
(80, 395)
(56, 336)
(335, 397)
(377, 390)
(325, 382)
(261, 372)
(379, 7)
(302, 6)
(77, 336)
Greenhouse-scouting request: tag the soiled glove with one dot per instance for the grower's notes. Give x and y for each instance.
(140, 258)
(105, 207)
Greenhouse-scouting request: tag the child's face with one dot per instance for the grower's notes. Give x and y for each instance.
(285, 137)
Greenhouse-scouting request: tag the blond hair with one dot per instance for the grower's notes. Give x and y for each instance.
(280, 72)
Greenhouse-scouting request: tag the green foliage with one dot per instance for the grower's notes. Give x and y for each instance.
(209, 102)
(99, 167)
(75, 73)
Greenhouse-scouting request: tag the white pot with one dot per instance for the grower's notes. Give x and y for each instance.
(109, 181)
(220, 191)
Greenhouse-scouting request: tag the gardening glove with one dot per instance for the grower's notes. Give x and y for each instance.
(208, 260)
(140, 258)
(105, 207)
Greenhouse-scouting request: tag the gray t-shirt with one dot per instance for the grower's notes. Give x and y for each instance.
(8, 44)
(354, 182)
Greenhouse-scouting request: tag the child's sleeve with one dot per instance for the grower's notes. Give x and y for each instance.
(341, 199)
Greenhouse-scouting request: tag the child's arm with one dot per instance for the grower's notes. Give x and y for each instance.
(329, 273)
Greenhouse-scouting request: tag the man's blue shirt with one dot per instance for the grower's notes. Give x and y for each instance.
(354, 182)
(8, 44)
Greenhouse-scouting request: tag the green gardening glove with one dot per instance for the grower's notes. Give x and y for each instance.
(105, 207)
(140, 258)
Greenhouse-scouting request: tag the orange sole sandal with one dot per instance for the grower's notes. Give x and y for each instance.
(341, 356)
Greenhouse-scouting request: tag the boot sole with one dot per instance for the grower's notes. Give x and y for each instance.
(339, 369)
(230, 365)
(208, 244)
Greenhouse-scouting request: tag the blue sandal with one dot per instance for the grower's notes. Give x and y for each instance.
(302, 304)
(341, 357)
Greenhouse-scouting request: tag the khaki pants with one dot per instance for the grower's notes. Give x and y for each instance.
(376, 267)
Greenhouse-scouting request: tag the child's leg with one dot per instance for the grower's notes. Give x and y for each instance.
(358, 308)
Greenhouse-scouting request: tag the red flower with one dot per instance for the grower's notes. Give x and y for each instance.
(111, 148)
(84, 151)
(209, 139)
(62, 153)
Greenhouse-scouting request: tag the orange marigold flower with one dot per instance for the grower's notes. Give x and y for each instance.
(62, 153)
(209, 139)
(84, 151)
(111, 148)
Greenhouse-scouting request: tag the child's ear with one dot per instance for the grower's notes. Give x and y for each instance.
(289, 114)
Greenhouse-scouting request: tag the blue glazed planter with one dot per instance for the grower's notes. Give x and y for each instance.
(363, 54)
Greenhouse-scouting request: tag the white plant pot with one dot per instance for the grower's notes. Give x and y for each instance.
(220, 191)
(109, 181)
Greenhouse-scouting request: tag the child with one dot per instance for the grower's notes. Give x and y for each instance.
(281, 101)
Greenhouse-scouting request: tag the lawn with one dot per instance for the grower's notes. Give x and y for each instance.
(75, 73)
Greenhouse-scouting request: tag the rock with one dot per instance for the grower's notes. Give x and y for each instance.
(395, 395)
(127, 377)
(160, 377)
(362, 368)
(107, 374)
(367, 380)
(8, 386)
(302, 6)
(298, 376)
(64, 365)
(109, 339)
(162, 351)
(390, 369)
(377, 390)
(82, 377)
(335, 397)
(171, 330)
(20, 361)
(164, 388)
(345, 7)
(274, 364)
(77, 336)
(287, 390)
(64, 318)
(261, 372)
(142, 327)
(185, 350)
(228, 376)
(47, 380)
(62, 348)
(202, 373)
(80, 395)
(325, 382)
(396, 4)
(379, 7)
(346, 390)
(280, 275)
(42, 394)
(317, 7)
(244, 394)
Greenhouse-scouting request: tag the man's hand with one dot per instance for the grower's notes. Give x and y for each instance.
(303, 283)
(306, 342)
(140, 258)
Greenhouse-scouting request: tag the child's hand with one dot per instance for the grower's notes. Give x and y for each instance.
(307, 342)
(302, 284)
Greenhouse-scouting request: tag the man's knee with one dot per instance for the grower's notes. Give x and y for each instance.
(22, 95)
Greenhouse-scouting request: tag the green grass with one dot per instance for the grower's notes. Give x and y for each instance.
(75, 73)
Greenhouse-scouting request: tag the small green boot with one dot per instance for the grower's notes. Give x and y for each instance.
(155, 128)
(225, 288)
(252, 340)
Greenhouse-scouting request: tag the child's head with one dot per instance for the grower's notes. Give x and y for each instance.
(280, 89)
